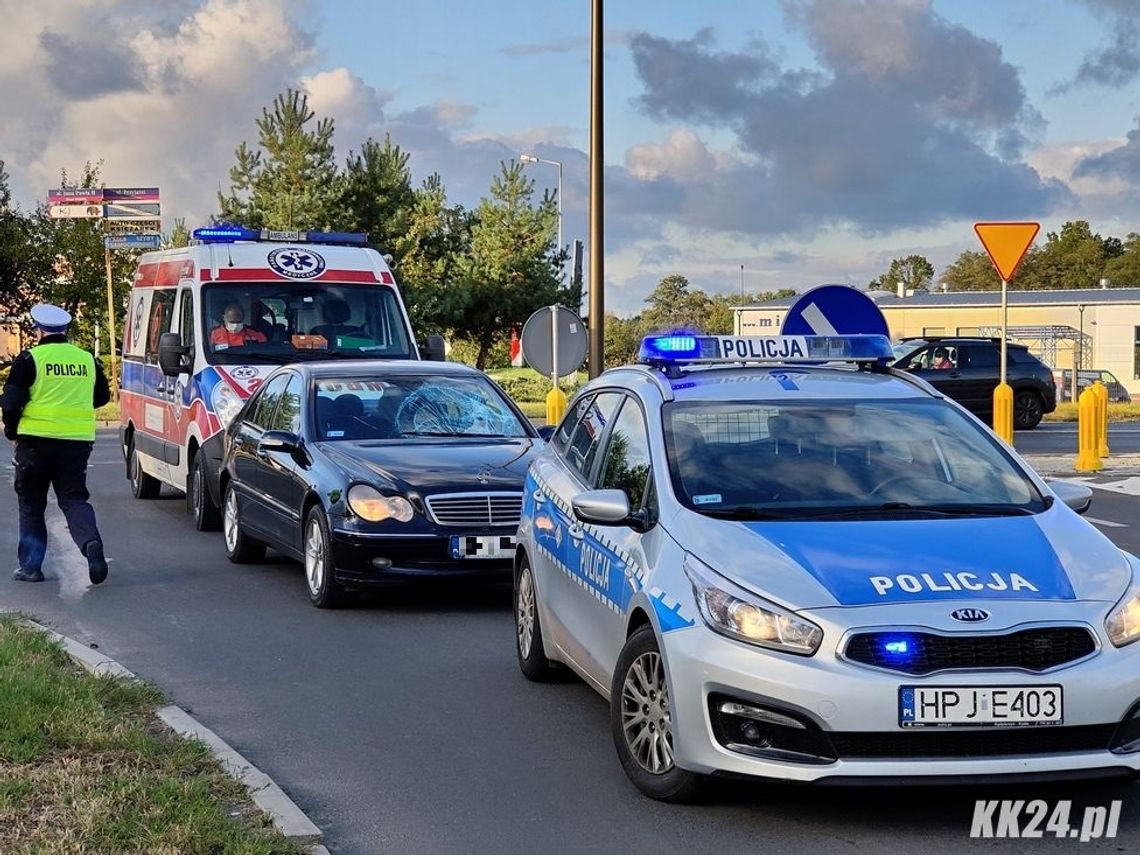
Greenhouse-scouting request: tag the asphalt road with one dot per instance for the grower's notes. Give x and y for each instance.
(1061, 438)
(403, 725)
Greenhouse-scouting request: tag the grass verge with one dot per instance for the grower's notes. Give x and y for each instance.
(85, 767)
(1067, 412)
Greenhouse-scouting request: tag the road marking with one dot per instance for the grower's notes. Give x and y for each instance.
(817, 320)
(1126, 486)
(1106, 523)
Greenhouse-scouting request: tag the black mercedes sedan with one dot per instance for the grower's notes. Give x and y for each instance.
(377, 470)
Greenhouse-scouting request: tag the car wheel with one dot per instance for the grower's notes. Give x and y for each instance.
(324, 591)
(143, 486)
(240, 547)
(528, 630)
(641, 724)
(207, 516)
(1028, 409)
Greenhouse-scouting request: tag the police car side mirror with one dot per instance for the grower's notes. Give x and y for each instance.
(433, 348)
(602, 507)
(173, 358)
(1076, 496)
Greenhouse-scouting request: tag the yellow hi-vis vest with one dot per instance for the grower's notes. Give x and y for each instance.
(61, 404)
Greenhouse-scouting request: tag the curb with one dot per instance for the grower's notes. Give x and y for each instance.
(287, 818)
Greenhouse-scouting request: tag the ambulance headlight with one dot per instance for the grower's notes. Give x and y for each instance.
(370, 504)
(1123, 622)
(732, 611)
(226, 402)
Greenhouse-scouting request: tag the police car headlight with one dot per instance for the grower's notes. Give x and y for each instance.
(226, 402)
(370, 504)
(1123, 622)
(732, 611)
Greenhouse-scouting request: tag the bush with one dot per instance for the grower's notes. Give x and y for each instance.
(528, 385)
(466, 351)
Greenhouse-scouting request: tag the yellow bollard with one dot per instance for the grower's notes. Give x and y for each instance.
(1003, 412)
(1088, 407)
(555, 405)
(1102, 418)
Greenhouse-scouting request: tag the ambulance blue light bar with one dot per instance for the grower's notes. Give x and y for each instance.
(679, 349)
(230, 234)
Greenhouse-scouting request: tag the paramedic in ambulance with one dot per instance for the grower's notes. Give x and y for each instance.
(232, 331)
(48, 408)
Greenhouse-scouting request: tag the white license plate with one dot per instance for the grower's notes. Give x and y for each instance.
(974, 706)
(482, 546)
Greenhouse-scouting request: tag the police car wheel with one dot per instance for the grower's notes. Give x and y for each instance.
(240, 547)
(207, 516)
(528, 631)
(143, 486)
(641, 725)
(324, 591)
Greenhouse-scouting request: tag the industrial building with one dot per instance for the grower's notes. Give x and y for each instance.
(1086, 327)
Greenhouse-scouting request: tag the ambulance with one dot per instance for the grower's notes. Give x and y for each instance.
(207, 322)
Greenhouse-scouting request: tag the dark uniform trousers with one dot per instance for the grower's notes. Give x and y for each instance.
(60, 464)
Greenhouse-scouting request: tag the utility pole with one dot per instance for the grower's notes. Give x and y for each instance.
(597, 240)
(742, 283)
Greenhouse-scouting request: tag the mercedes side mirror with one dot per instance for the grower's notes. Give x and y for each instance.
(173, 356)
(279, 440)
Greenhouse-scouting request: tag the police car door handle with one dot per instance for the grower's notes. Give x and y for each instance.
(539, 497)
(577, 532)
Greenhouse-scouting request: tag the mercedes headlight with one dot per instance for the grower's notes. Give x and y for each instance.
(370, 504)
(226, 402)
(732, 611)
(1123, 622)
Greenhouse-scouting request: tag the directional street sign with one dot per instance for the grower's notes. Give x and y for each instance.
(131, 210)
(85, 196)
(132, 227)
(74, 212)
(1006, 244)
(132, 241)
(130, 194)
(834, 310)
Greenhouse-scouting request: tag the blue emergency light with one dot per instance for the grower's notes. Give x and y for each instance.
(231, 234)
(680, 349)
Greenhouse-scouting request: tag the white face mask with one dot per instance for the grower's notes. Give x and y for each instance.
(234, 327)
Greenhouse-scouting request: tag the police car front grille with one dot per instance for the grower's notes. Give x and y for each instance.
(1037, 649)
(476, 509)
(992, 742)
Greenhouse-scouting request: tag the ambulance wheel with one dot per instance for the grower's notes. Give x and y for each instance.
(240, 547)
(528, 631)
(641, 725)
(143, 486)
(207, 516)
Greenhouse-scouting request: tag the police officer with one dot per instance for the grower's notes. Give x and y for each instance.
(48, 409)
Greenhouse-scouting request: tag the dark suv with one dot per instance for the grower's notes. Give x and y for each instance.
(968, 369)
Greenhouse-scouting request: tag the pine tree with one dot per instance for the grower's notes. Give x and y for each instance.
(377, 195)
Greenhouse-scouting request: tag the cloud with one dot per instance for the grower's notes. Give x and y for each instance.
(568, 44)
(1122, 162)
(911, 121)
(106, 66)
(1117, 63)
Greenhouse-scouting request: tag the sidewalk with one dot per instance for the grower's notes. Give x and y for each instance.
(1065, 465)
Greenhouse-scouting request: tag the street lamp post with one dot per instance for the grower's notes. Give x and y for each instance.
(531, 158)
(1080, 345)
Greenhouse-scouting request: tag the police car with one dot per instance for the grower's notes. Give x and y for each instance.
(778, 557)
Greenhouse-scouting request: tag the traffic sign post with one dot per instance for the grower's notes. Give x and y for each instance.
(554, 343)
(1006, 245)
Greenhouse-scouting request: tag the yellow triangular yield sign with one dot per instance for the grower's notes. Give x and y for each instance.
(1006, 244)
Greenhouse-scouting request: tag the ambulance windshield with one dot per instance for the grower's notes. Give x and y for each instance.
(273, 322)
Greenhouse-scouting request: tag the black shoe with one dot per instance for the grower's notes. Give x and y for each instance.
(23, 575)
(96, 563)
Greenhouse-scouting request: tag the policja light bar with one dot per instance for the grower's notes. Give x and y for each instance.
(676, 349)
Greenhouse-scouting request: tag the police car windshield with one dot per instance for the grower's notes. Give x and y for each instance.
(809, 460)
(286, 322)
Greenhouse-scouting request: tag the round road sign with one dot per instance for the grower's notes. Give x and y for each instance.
(539, 336)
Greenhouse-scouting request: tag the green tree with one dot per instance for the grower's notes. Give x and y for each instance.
(971, 271)
(1071, 258)
(674, 305)
(291, 181)
(508, 273)
(915, 272)
(179, 235)
(432, 249)
(377, 195)
(622, 340)
(1123, 271)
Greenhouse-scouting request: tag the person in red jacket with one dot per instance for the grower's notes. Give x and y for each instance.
(233, 332)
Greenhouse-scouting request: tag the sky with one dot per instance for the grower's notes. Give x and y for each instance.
(810, 141)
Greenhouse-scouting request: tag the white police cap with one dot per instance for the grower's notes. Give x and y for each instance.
(50, 319)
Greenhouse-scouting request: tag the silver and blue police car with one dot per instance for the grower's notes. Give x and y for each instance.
(777, 557)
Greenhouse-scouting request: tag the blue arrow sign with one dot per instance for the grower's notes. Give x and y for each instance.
(834, 310)
(132, 241)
